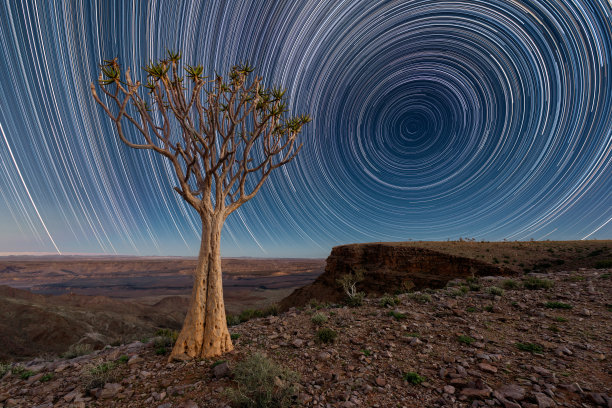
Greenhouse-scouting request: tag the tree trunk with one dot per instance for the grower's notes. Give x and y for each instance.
(204, 333)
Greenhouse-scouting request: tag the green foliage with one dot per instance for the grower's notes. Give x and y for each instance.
(95, 376)
(326, 335)
(494, 290)
(318, 318)
(235, 336)
(560, 319)
(261, 383)
(22, 372)
(597, 252)
(397, 315)
(348, 283)
(557, 305)
(489, 308)
(249, 314)
(367, 352)
(123, 359)
(46, 377)
(470, 309)
(604, 264)
(356, 300)
(460, 291)
(510, 284)
(413, 335)
(420, 297)
(4, 368)
(533, 283)
(388, 300)
(530, 347)
(465, 339)
(413, 378)
(605, 276)
(164, 341)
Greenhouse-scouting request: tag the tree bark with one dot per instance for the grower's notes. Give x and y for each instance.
(204, 333)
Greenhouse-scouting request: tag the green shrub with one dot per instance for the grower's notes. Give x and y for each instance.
(488, 308)
(560, 319)
(4, 368)
(77, 350)
(605, 276)
(530, 347)
(420, 297)
(318, 318)
(597, 252)
(397, 315)
(510, 284)
(46, 377)
(95, 376)
(557, 305)
(123, 359)
(262, 383)
(388, 300)
(533, 283)
(164, 341)
(326, 335)
(470, 309)
(465, 339)
(22, 372)
(604, 264)
(356, 300)
(367, 352)
(235, 336)
(249, 314)
(413, 378)
(494, 290)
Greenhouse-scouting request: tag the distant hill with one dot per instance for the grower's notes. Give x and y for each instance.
(391, 267)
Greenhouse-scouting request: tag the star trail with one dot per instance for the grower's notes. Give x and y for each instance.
(432, 120)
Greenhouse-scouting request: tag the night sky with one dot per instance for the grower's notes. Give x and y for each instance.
(431, 120)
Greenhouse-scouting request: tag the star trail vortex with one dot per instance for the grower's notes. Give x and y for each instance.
(431, 120)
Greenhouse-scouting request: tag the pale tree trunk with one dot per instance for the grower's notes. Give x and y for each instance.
(204, 333)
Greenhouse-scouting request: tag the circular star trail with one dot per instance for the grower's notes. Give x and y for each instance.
(431, 120)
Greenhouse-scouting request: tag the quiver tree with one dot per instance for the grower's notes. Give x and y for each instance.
(223, 137)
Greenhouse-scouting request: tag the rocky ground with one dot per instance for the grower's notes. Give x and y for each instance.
(466, 345)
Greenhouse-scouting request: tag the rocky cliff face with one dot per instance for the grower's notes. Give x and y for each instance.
(388, 268)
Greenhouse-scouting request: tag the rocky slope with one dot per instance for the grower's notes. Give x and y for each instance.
(388, 268)
(472, 346)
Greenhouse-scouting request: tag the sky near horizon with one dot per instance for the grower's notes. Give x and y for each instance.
(432, 120)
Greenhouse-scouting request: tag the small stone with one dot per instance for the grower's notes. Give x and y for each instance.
(109, 391)
(135, 359)
(473, 392)
(297, 343)
(544, 401)
(487, 367)
(381, 382)
(188, 404)
(323, 356)
(221, 370)
(513, 391)
(449, 389)
(597, 399)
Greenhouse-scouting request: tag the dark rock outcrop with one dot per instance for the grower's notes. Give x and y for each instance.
(388, 268)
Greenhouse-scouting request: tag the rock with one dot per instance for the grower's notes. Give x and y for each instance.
(381, 382)
(597, 399)
(135, 359)
(323, 356)
(544, 401)
(71, 396)
(297, 343)
(513, 391)
(388, 267)
(487, 367)
(110, 390)
(221, 370)
(449, 389)
(188, 404)
(473, 392)
(35, 378)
